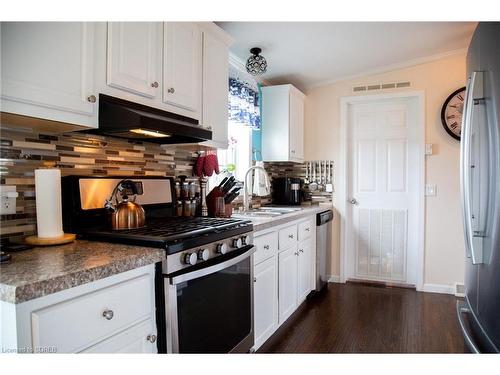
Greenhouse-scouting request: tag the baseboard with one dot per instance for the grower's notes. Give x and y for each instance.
(438, 288)
(333, 279)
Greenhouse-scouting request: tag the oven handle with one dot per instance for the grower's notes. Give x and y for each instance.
(212, 269)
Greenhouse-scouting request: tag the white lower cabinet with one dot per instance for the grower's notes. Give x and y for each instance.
(283, 274)
(137, 339)
(111, 315)
(304, 268)
(288, 281)
(265, 300)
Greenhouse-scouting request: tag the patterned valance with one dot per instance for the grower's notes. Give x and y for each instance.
(243, 104)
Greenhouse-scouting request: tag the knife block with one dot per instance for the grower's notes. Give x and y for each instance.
(211, 197)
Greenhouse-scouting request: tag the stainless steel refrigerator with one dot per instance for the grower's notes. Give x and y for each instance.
(479, 314)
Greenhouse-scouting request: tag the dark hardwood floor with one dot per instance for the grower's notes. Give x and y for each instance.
(356, 318)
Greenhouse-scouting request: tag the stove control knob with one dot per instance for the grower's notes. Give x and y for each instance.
(244, 240)
(189, 258)
(203, 254)
(237, 243)
(222, 248)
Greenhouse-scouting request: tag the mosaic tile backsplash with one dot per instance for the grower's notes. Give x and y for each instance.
(76, 154)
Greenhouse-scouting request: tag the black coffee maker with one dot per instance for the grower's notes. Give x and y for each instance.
(287, 191)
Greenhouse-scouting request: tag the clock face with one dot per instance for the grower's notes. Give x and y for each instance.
(451, 113)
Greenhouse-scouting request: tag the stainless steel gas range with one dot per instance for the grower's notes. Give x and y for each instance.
(204, 288)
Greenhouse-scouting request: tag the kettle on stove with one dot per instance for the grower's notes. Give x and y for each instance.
(125, 213)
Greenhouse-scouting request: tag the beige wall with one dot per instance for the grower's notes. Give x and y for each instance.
(444, 247)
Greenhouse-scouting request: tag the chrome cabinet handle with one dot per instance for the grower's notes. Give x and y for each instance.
(171, 90)
(154, 84)
(308, 229)
(108, 314)
(266, 247)
(353, 201)
(290, 236)
(92, 99)
(151, 338)
(296, 253)
(301, 250)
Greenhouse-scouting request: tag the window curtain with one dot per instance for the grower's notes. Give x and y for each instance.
(243, 104)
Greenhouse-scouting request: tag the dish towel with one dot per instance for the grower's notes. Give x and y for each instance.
(261, 186)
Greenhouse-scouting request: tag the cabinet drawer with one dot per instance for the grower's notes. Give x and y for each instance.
(305, 230)
(266, 246)
(132, 340)
(287, 237)
(80, 322)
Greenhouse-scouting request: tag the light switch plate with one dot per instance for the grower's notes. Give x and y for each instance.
(8, 197)
(430, 190)
(428, 148)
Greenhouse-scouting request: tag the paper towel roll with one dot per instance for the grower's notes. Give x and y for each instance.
(48, 203)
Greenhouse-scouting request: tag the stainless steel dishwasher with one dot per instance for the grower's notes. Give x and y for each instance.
(323, 246)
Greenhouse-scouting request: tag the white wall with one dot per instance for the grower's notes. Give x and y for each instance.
(444, 247)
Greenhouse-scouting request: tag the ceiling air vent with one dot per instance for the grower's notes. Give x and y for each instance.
(381, 86)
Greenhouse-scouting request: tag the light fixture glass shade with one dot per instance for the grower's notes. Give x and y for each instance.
(256, 64)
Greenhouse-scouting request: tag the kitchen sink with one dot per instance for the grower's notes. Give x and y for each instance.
(267, 212)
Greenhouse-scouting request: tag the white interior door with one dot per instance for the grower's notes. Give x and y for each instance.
(383, 186)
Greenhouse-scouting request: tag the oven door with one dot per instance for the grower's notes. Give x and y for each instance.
(209, 308)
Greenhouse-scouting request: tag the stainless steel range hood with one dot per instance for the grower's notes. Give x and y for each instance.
(123, 119)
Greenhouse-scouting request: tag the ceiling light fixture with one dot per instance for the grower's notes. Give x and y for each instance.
(256, 63)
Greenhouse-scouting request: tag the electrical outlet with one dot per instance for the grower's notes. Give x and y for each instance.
(430, 190)
(8, 197)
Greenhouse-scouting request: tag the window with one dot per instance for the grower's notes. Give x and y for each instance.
(244, 117)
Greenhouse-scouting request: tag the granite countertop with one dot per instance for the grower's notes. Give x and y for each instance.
(45, 270)
(261, 223)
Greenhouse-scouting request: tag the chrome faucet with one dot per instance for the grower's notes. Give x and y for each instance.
(246, 202)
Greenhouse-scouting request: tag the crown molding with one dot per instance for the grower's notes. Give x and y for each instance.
(391, 67)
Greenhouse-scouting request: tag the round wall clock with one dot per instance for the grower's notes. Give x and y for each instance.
(451, 113)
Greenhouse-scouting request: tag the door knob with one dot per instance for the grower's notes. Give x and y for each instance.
(353, 201)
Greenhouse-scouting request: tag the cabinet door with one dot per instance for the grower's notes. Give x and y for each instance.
(265, 300)
(304, 270)
(47, 70)
(287, 283)
(215, 88)
(133, 340)
(182, 65)
(296, 126)
(134, 57)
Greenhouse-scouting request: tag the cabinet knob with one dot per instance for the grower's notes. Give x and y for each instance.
(108, 314)
(266, 247)
(254, 279)
(290, 236)
(154, 84)
(171, 90)
(301, 251)
(293, 151)
(92, 99)
(296, 253)
(308, 229)
(151, 338)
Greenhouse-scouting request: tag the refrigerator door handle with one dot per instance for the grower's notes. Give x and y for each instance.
(474, 92)
(464, 172)
(461, 310)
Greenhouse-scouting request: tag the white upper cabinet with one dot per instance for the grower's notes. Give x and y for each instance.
(47, 71)
(182, 66)
(215, 83)
(134, 57)
(282, 123)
